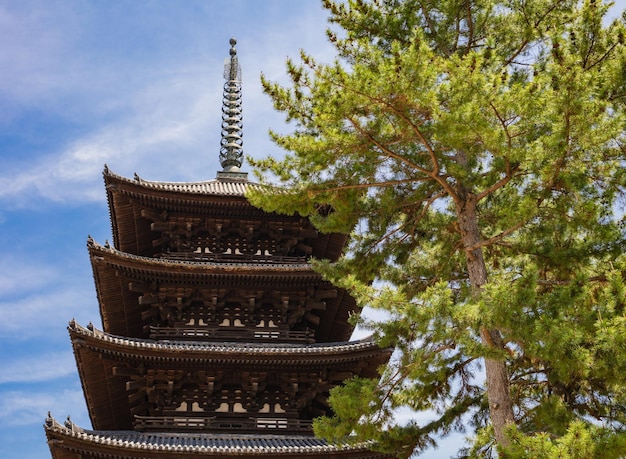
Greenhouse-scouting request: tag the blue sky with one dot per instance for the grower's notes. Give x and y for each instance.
(133, 84)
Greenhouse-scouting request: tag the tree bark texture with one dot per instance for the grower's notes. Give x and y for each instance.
(497, 377)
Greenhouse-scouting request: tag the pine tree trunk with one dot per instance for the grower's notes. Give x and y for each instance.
(497, 377)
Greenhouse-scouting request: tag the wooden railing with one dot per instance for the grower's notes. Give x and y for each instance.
(184, 423)
(245, 334)
(225, 257)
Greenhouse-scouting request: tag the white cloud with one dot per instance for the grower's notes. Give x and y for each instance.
(30, 407)
(42, 315)
(159, 117)
(50, 303)
(18, 275)
(38, 368)
(143, 138)
(33, 45)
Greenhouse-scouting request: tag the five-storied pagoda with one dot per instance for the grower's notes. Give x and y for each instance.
(218, 339)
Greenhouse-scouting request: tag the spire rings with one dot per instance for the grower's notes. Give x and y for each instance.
(231, 144)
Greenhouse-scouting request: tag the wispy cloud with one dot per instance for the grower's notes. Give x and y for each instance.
(28, 407)
(38, 368)
(18, 273)
(38, 314)
(36, 40)
(143, 138)
(160, 118)
(52, 296)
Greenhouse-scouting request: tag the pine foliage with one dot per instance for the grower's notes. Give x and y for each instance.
(475, 151)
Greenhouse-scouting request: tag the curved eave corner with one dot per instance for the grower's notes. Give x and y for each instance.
(217, 187)
(120, 189)
(135, 444)
(353, 350)
(97, 250)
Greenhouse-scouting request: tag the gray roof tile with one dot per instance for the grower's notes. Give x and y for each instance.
(321, 349)
(217, 187)
(201, 442)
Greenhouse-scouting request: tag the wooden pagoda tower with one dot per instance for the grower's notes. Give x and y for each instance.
(218, 339)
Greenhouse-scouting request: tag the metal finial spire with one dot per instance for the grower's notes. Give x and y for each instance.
(231, 150)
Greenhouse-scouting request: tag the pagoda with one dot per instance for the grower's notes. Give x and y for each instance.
(218, 339)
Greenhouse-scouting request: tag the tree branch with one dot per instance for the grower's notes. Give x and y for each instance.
(470, 26)
(390, 153)
(377, 184)
(495, 238)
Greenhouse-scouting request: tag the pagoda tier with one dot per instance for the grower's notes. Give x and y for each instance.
(219, 338)
(209, 220)
(148, 385)
(68, 441)
(144, 297)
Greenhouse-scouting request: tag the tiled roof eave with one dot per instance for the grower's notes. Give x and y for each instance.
(201, 443)
(224, 351)
(129, 260)
(217, 187)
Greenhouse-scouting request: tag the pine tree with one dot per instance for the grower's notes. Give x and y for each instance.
(475, 150)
